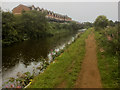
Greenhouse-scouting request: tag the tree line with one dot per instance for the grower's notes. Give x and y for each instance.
(31, 25)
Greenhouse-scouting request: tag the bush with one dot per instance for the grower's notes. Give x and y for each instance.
(100, 22)
(109, 39)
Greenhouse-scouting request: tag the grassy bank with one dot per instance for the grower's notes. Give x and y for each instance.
(107, 57)
(64, 72)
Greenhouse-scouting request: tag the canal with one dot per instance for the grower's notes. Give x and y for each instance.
(25, 56)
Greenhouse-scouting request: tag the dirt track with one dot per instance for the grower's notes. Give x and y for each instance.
(89, 76)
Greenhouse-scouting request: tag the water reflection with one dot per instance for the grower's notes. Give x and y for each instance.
(23, 56)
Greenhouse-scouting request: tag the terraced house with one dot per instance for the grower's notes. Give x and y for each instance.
(51, 15)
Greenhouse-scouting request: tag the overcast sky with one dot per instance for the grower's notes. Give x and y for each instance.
(79, 11)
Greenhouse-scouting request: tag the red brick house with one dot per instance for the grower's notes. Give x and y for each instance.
(20, 8)
(50, 14)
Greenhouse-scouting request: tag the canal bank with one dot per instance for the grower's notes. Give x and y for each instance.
(64, 71)
(26, 59)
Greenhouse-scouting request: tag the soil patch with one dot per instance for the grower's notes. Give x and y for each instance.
(89, 76)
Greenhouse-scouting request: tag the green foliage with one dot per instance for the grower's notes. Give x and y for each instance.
(108, 66)
(100, 22)
(107, 51)
(35, 24)
(66, 67)
(87, 25)
(108, 38)
(31, 25)
(108, 59)
(9, 33)
(17, 28)
(74, 26)
(111, 23)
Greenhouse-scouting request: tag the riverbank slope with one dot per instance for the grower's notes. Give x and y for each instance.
(64, 71)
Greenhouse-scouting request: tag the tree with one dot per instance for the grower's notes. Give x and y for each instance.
(111, 23)
(31, 24)
(8, 31)
(75, 26)
(87, 24)
(101, 22)
(35, 24)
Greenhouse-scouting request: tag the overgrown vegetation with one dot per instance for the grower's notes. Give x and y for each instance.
(101, 22)
(31, 25)
(66, 67)
(107, 52)
(87, 25)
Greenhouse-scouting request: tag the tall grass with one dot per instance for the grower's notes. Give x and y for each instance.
(107, 53)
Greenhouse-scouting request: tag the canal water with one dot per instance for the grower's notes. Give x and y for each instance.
(25, 56)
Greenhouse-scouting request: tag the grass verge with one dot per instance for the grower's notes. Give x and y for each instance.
(107, 63)
(65, 69)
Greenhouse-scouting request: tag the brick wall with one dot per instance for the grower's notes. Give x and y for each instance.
(19, 9)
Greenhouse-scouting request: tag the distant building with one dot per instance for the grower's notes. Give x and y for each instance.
(20, 8)
(50, 14)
